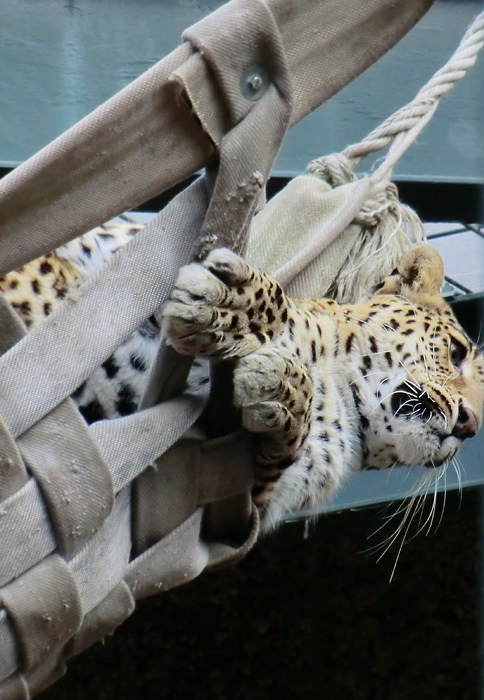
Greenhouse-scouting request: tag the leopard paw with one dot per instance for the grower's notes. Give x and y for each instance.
(223, 307)
(275, 394)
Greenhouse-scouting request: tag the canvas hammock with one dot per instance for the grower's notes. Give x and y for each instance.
(93, 518)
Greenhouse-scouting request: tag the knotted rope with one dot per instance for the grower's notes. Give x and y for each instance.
(388, 227)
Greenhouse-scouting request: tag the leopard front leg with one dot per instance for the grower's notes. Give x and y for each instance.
(223, 308)
(275, 393)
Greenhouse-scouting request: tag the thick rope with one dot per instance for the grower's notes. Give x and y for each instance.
(402, 128)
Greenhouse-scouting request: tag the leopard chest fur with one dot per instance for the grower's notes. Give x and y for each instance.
(332, 445)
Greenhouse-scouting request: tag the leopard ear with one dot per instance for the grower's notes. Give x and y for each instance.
(418, 276)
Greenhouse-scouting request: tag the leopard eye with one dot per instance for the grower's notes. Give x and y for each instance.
(457, 352)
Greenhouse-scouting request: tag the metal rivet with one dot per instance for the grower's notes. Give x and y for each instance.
(254, 82)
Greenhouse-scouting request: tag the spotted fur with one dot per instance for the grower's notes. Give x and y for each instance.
(38, 288)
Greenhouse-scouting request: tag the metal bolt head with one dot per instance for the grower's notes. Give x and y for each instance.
(254, 82)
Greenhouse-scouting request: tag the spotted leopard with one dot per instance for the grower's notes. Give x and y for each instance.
(329, 388)
(325, 388)
(39, 287)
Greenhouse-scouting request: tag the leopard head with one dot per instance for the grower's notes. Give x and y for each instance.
(417, 378)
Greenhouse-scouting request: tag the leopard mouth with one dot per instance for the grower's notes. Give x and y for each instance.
(449, 446)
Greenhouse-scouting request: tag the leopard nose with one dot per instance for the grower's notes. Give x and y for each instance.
(466, 425)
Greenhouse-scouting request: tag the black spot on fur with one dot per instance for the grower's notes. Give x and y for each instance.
(45, 268)
(137, 363)
(47, 308)
(270, 315)
(388, 358)
(284, 316)
(313, 351)
(126, 402)
(373, 345)
(336, 346)
(408, 331)
(110, 367)
(92, 412)
(234, 322)
(13, 284)
(254, 327)
(367, 361)
(349, 342)
(394, 324)
(86, 250)
(35, 286)
(259, 293)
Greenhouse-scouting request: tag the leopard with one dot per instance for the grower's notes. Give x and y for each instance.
(325, 388)
(38, 289)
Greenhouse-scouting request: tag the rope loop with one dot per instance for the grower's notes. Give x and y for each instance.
(334, 169)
